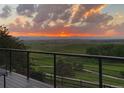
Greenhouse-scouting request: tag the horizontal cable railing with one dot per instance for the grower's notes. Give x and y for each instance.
(55, 54)
(65, 54)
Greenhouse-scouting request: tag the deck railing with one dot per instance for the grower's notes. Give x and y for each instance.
(55, 54)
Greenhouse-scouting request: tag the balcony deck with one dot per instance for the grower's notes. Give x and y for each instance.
(14, 80)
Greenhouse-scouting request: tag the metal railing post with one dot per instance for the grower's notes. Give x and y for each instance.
(54, 70)
(100, 73)
(28, 66)
(10, 61)
(4, 81)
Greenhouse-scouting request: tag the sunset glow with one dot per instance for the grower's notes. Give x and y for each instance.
(62, 34)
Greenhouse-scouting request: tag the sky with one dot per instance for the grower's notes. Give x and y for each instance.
(57, 20)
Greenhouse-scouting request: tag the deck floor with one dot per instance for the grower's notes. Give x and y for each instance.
(14, 80)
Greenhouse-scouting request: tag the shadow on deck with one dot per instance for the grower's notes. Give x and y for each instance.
(14, 80)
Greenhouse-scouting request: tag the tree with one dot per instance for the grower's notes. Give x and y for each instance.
(8, 41)
(64, 68)
(103, 49)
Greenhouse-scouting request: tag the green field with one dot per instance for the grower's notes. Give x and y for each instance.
(44, 63)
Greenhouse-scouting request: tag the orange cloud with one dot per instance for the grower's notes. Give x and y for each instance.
(93, 11)
(74, 10)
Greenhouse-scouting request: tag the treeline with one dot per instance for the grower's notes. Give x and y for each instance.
(107, 49)
(18, 59)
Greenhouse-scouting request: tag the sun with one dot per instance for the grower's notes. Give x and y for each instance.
(63, 34)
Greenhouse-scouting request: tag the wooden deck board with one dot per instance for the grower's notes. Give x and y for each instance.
(14, 80)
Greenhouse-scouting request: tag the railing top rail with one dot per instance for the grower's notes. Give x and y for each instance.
(66, 54)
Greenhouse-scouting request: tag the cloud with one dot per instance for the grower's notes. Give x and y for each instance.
(119, 29)
(92, 9)
(20, 24)
(26, 9)
(63, 20)
(6, 12)
(68, 14)
(74, 10)
(50, 11)
(82, 11)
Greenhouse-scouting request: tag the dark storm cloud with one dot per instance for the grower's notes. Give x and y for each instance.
(26, 9)
(6, 12)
